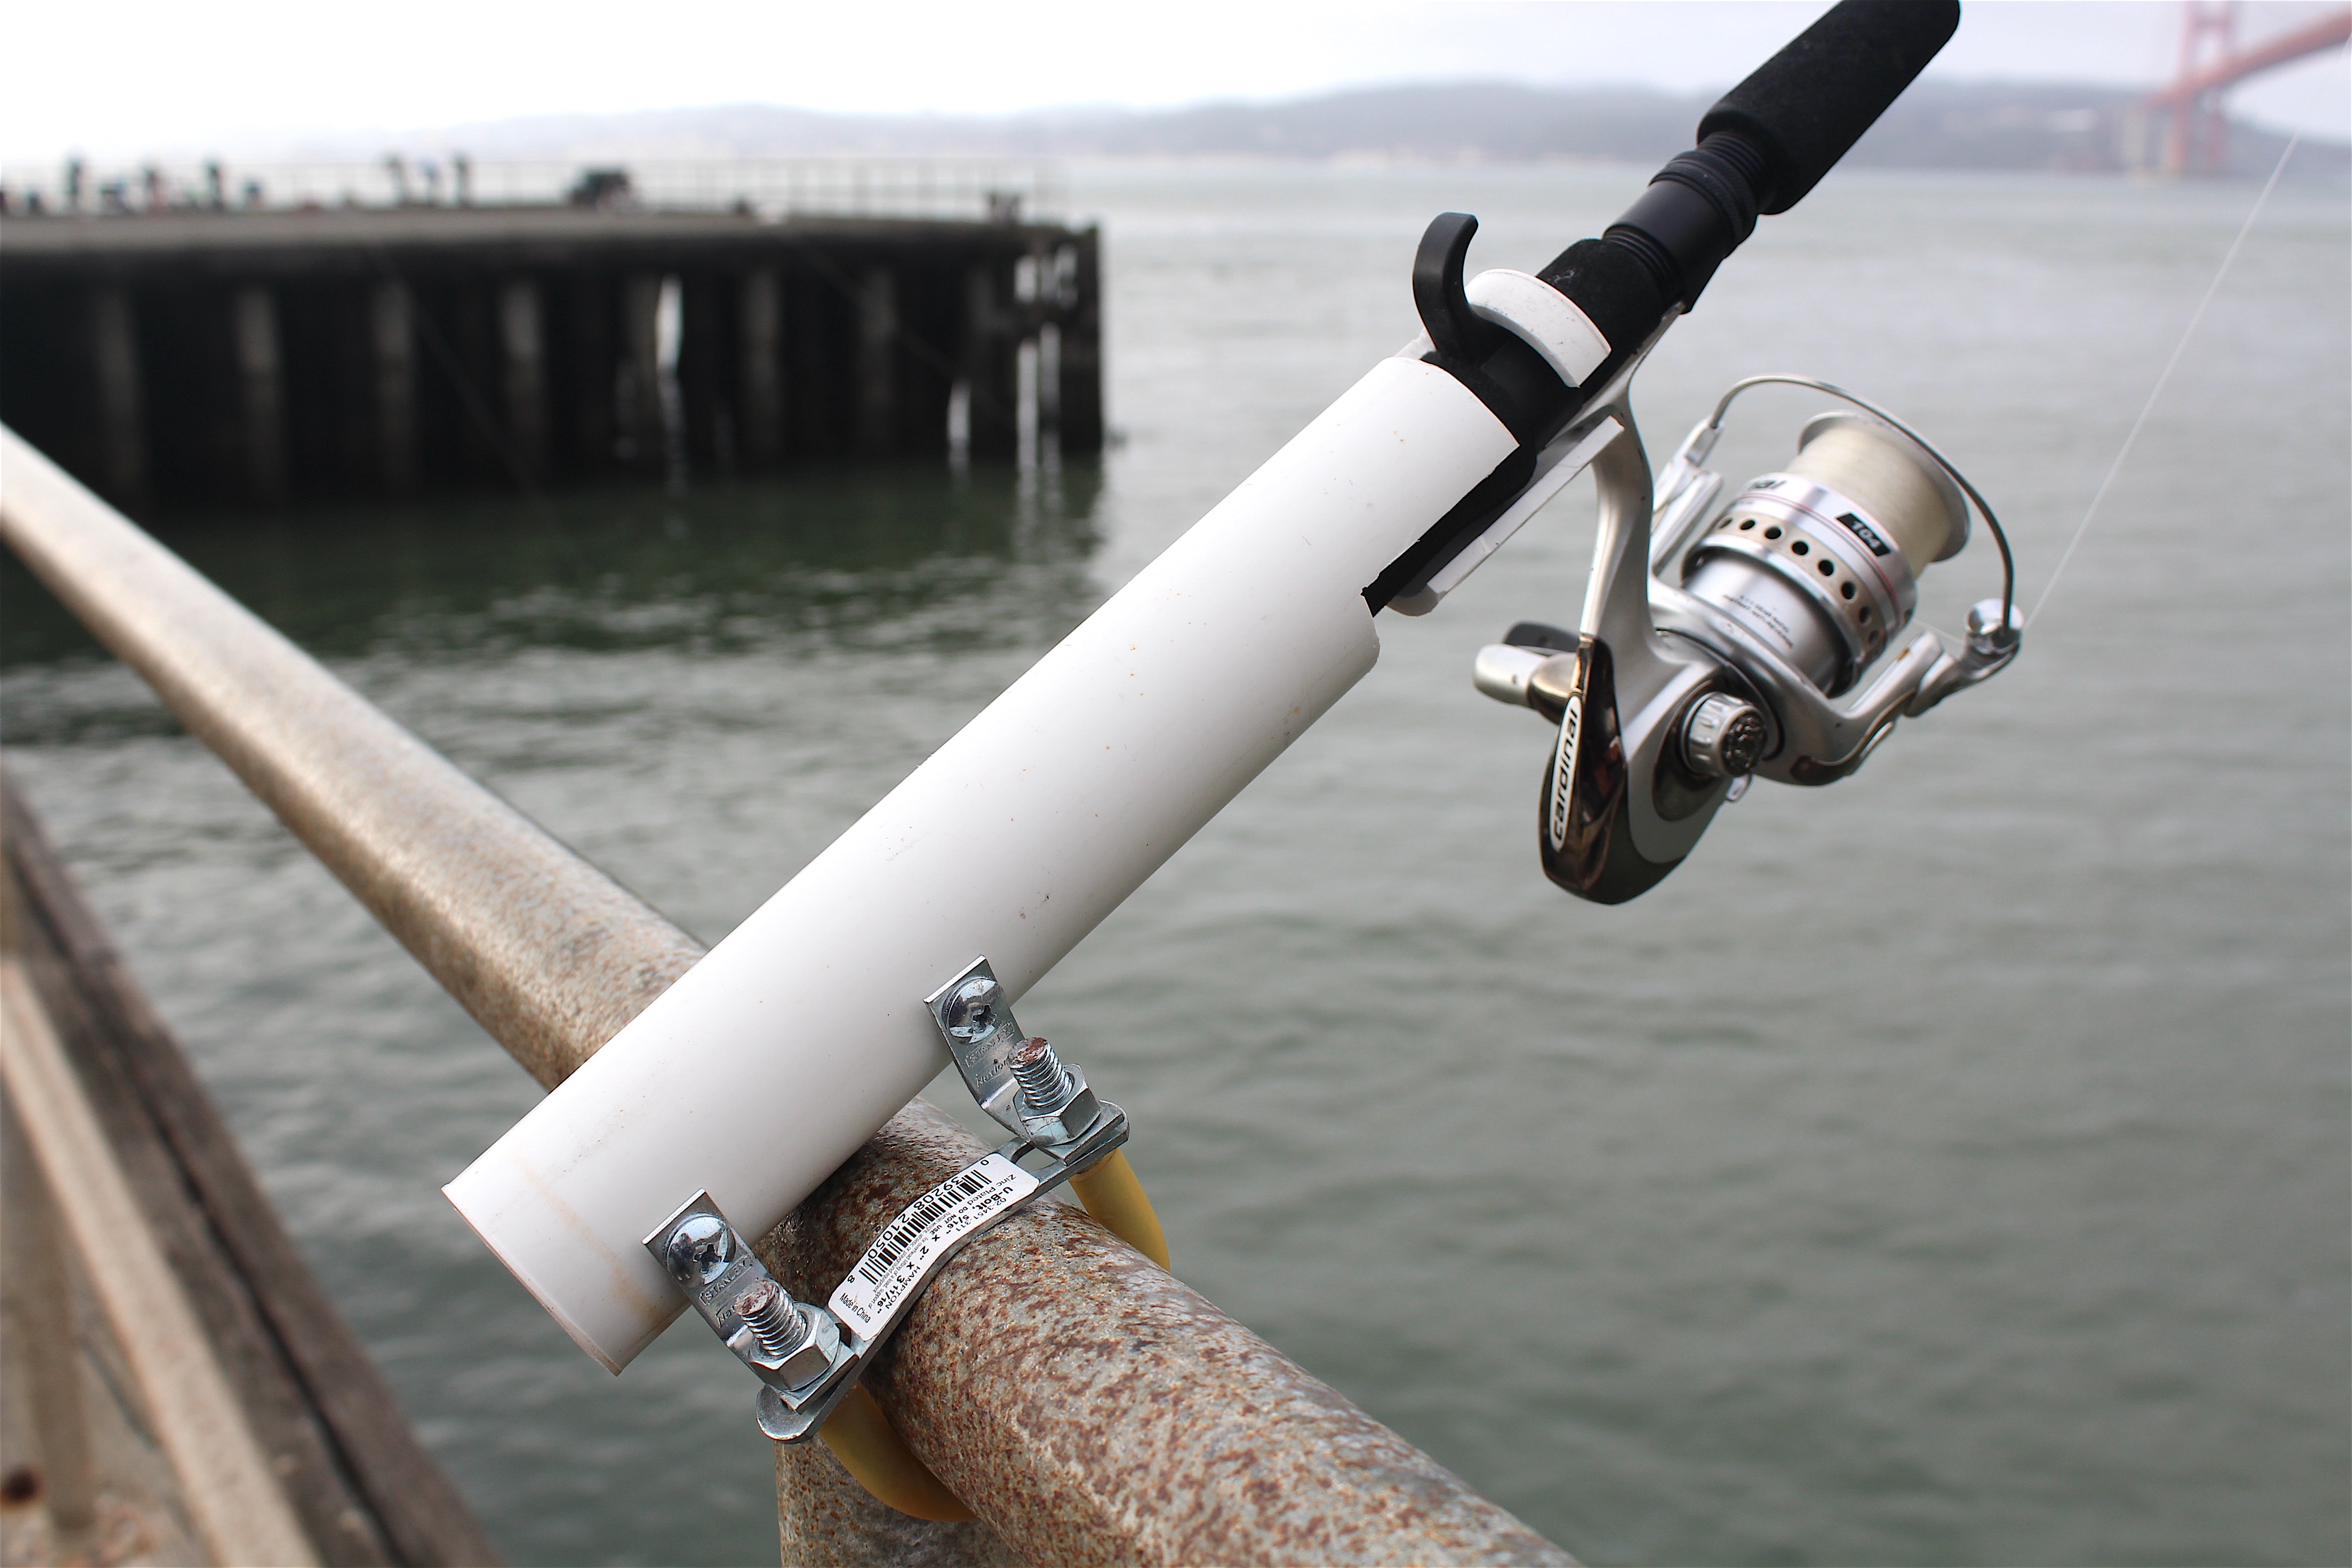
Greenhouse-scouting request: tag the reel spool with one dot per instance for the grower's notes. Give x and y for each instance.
(1717, 643)
(1822, 561)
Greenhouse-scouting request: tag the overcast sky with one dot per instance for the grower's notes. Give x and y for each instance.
(124, 78)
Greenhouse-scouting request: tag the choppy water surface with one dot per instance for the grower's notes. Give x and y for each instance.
(1948, 1166)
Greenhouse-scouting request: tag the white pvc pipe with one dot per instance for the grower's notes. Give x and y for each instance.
(796, 1038)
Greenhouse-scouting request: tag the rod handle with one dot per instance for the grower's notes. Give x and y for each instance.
(1807, 105)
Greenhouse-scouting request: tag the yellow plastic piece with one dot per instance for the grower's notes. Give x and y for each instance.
(1112, 1195)
(870, 1448)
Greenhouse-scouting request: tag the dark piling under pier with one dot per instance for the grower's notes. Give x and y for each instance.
(205, 358)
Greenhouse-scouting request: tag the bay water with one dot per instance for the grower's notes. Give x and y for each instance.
(1950, 1165)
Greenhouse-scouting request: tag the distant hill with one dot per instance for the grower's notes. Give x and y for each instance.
(1935, 125)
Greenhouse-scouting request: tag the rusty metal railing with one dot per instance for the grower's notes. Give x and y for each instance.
(1089, 1406)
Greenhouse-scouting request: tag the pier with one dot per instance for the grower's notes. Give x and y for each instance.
(192, 352)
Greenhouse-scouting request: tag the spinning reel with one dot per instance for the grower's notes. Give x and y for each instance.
(1721, 644)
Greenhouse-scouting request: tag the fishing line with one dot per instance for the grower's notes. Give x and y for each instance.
(2169, 365)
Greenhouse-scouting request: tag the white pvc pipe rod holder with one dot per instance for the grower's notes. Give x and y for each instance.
(796, 1038)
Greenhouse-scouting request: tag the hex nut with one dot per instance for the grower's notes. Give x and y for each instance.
(1074, 1116)
(804, 1363)
(807, 1363)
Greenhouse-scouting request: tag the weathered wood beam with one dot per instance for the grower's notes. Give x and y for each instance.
(362, 1487)
(38, 1283)
(226, 1481)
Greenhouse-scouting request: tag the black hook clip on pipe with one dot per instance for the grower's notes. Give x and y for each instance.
(1454, 330)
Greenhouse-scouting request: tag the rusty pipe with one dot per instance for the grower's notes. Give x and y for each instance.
(1090, 1407)
(548, 954)
(1093, 1409)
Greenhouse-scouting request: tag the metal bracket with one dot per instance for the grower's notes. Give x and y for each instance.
(1016, 1077)
(804, 1363)
(808, 1357)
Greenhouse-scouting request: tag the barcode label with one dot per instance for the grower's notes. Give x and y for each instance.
(902, 1256)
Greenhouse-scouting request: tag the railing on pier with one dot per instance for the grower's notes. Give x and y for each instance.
(839, 186)
(1088, 1405)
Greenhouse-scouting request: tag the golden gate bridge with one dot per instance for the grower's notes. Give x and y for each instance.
(2213, 60)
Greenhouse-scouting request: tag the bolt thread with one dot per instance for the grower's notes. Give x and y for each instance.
(1039, 1073)
(773, 1319)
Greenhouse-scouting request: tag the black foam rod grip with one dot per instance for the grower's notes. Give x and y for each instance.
(1804, 107)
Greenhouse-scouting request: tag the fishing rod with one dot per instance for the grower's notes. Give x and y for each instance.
(1770, 637)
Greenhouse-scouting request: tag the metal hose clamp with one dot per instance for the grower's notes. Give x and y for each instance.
(808, 1357)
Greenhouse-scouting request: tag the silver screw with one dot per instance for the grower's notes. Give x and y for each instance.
(773, 1321)
(971, 1012)
(700, 1249)
(1044, 1087)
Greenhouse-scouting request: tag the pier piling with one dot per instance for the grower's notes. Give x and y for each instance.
(260, 365)
(394, 341)
(230, 356)
(759, 317)
(877, 346)
(114, 360)
(524, 381)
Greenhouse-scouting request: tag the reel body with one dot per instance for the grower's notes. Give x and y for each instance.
(1769, 637)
